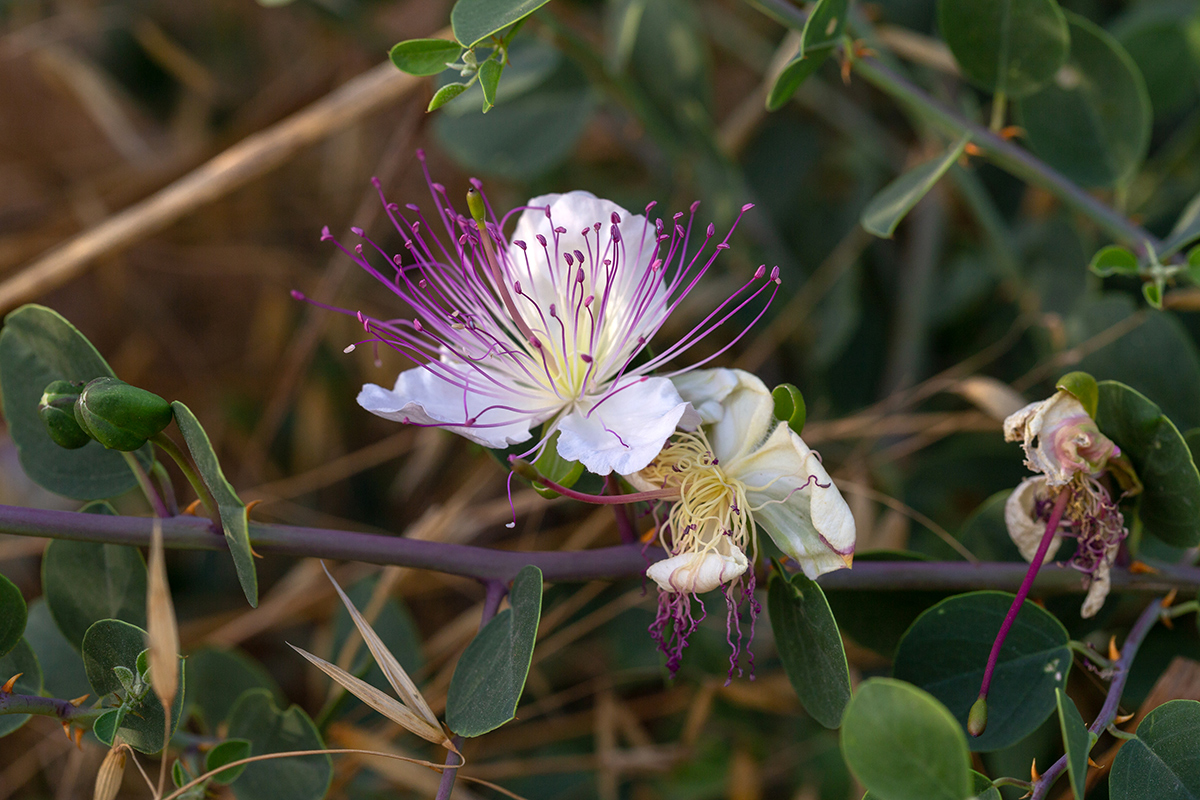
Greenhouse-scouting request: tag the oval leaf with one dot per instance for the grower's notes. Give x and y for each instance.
(1092, 122)
(1077, 741)
(902, 744)
(1169, 507)
(234, 518)
(809, 646)
(13, 614)
(489, 82)
(38, 346)
(946, 649)
(490, 675)
(821, 33)
(258, 720)
(224, 753)
(20, 659)
(1163, 762)
(1114, 260)
(885, 210)
(475, 20)
(85, 582)
(1009, 46)
(216, 678)
(62, 667)
(424, 56)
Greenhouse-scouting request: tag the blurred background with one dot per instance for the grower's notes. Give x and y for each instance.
(908, 350)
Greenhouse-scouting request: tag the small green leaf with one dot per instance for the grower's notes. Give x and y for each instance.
(790, 406)
(1114, 260)
(424, 56)
(982, 789)
(1169, 507)
(946, 649)
(111, 643)
(37, 347)
(556, 468)
(885, 210)
(475, 20)
(902, 744)
(1193, 265)
(234, 518)
(179, 775)
(822, 31)
(1009, 46)
(1082, 387)
(489, 81)
(1077, 741)
(257, 719)
(490, 675)
(227, 751)
(1153, 294)
(20, 659)
(1186, 230)
(1163, 762)
(217, 677)
(13, 614)
(445, 95)
(809, 645)
(85, 582)
(1092, 122)
(107, 724)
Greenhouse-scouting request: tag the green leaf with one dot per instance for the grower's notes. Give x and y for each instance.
(227, 751)
(1162, 39)
(489, 82)
(809, 645)
(234, 519)
(1169, 507)
(1114, 260)
(885, 210)
(790, 406)
(112, 643)
(107, 724)
(1153, 294)
(257, 719)
(38, 346)
(1193, 265)
(822, 31)
(1163, 762)
(1008, 46)
(13, 614)
(946, 649)
(85, 582)
(490, 675)
(902, 744)
(981, 787)
(556, 468)
(475, 20)
(1186, 230)
(1083, 388)
(424, 56)
(62, 667)
(1092, 122)
(1077, 741)
(445, 94)
(217, 677)
(20, 659)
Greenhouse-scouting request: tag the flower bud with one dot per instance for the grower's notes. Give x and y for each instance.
(120, 416)
(112, 770)
(57, 410)
(697, 573)
(977, 718)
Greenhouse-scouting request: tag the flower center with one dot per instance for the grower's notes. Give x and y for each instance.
(712, 511)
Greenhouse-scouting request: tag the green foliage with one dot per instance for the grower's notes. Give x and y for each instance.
(38, 347)
(1114, 260)
(20, 659)
(1162, 762)
(553, 466)
(62, 667)
(112, 657)
(234, 519)
(809, 645)
(217, 677)
(85, 582)
(1010, 47)
(226, 752)
(120, 416)
(1077, 741)
(946, 649)
(491, 672)
(890, 727)
(258, 720)
(1161, 38)
(822, 32)
(886, 209)
(1083, 388)
(1092, 122)
(789, 406)
(424, 56)
(475, 20)
(1169, 506)
(13, 614)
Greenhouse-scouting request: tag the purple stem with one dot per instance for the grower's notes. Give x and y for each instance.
(607, 499)
(61, 710)
(1108, 712)
(1060, 505)
(621, 512)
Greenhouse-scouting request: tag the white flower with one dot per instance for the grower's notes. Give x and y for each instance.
(1025, 517)
(545, 327)
(697, 573)
(1060, 439)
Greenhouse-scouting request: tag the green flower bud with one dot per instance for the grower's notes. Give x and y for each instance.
(57, 410)
(977, 718)
(120, 416)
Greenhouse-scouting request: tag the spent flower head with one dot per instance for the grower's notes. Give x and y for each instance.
(1060, 438)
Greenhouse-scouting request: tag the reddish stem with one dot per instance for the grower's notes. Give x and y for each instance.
(1060, 505)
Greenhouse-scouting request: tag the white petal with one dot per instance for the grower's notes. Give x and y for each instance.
(812, 525)
(748, 416)
(624, 432)
(421, 397)
(1029, 425)
(1026, 531)
(705, 389)
(1097, 591)
(692, 573)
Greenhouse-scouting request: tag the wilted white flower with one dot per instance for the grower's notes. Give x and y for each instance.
(1060, 438)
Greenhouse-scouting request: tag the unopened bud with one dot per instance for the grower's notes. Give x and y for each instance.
(475, 206)
(57, 411)
(525, 469)
(120, 416)
(112, 771)
(977, 718)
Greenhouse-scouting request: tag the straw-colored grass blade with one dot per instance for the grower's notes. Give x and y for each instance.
(161, 627)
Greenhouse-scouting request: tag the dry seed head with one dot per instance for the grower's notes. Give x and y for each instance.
(160, 624)
(112, 771)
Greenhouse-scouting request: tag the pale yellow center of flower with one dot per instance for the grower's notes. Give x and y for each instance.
(712, 507)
